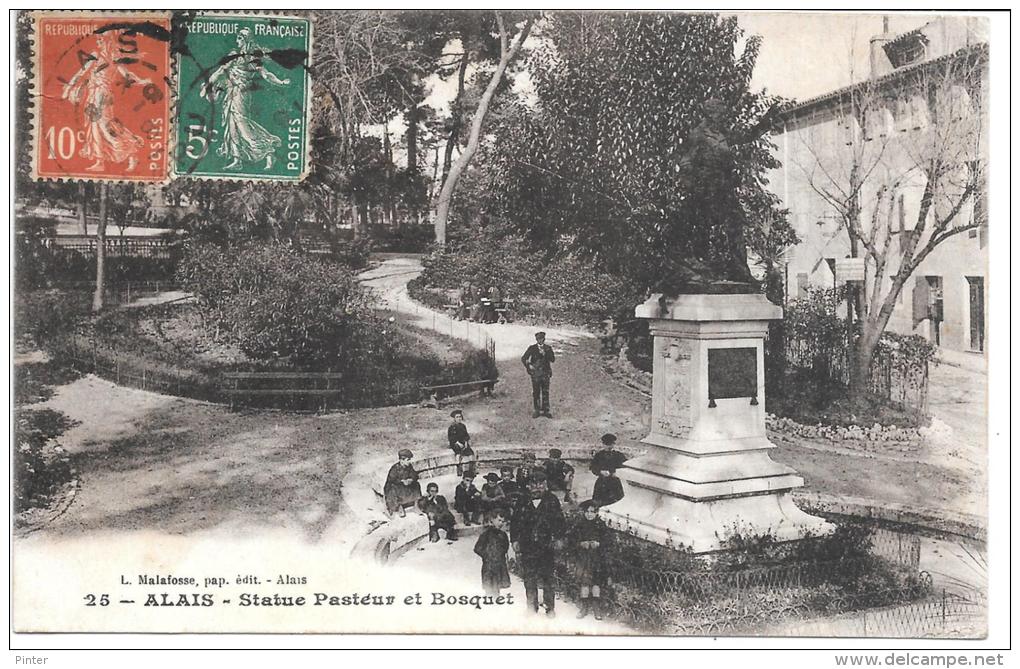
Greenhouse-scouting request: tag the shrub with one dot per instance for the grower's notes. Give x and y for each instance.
(43, 315)
(351, 253)
(40, 464)
(486, 256)
(274, 302)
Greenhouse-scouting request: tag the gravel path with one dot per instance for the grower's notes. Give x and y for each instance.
(153, 461)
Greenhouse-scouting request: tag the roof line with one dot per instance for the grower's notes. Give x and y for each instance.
(795, 109)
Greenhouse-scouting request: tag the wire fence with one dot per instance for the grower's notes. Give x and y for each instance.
(945, 614)
(121, 292)
(880, 593)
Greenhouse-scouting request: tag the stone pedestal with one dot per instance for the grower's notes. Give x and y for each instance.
(707, 472)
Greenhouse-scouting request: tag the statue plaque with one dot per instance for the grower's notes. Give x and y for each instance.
(732, 372)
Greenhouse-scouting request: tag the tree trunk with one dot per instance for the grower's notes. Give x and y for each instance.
(97, 296)
(775, 372)
(83, 224)
(455, 114)
(457, 169)
(355, 220)
(412, 137)
(872, 328)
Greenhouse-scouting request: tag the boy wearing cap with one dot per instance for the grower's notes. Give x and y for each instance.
(460, 440)
(434, 506)
(466, 498)
(559, 474)
(510, 487)
(538, 359)
(526, 471)
(493, 498)
(402, 487)
(536, 530)
(588, 536)
(608, 458)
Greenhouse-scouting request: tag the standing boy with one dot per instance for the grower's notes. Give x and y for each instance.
(492, 547)
(538, 359)
(608, 457)
(588, 538)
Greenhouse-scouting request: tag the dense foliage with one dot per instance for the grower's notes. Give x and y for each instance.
(41, 466)
(559, 286)
(274, 302)
(603, 164)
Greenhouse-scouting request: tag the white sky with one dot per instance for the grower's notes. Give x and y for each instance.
(804, 55)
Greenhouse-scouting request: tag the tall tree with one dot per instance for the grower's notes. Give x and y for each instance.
(605, 163)
(510, 46)
(905, 174)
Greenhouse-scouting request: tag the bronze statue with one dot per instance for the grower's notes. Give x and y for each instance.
(708, 174)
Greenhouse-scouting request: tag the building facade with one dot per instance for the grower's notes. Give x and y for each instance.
(864, 153)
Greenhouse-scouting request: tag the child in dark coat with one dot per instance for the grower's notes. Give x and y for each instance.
(588, 536)
(608, 489)
(402, 487)
(558, 473)
(493, 498)
(492, 547)
(511, 489)
(460, 441)
(466, 499)
(434, 506)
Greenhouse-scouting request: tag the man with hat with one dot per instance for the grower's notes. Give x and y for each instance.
(538, 359)
(536, 531)
(402, 487)
(460, 440)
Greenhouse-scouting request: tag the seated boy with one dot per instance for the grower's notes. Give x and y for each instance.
(558, 473)
(511, 489)
(402, 487)
(459, 439)
(466, 499)
(493, 498)
(441, 521)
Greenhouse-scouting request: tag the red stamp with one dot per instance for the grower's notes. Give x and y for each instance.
(102, 96)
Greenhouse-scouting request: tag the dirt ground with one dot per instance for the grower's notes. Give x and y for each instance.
(148, 461)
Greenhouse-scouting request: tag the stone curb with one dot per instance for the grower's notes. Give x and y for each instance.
(937, 520)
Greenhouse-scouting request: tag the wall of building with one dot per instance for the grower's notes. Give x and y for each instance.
(817, 140)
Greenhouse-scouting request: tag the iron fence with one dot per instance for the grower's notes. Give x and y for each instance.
(116, 246)
(892, 377)
(787, 598)
(946, 614)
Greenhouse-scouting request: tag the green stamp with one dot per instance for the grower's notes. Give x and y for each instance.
(243, 97)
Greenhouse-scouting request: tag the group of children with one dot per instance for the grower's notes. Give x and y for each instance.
(502, 497)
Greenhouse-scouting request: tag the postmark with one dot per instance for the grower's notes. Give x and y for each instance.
(101, 96)
(244, 94)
